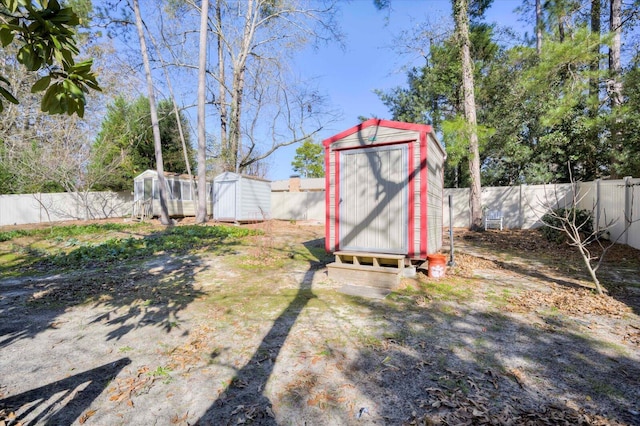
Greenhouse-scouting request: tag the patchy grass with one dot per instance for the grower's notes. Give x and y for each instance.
(61, 233)
(56, 252)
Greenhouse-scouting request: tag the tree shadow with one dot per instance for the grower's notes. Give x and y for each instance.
(152, 287)
(474, 367)
(244, 400)
(62, 402)
(619, 282)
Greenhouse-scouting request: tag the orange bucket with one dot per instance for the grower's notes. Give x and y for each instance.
(437, 265)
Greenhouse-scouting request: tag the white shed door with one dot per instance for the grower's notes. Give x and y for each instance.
(225, 202)
(373, 199)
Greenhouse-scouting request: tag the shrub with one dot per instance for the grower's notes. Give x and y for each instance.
(559, 217)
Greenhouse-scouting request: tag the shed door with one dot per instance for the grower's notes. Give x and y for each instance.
(373, 199)
(225, 202)
(148, 189)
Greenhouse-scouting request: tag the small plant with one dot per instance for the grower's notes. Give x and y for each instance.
(577, 227)
(162, 372)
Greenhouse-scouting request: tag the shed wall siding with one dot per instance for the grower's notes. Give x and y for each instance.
(435, 188)
(373, 208)
(417, 207)
(241, 198)
(255, 200)
(226, 194)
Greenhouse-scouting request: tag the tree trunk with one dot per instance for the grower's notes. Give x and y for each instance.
(593, 104)
(539, 26)
(201, 214)
(461, 18)
(237, 87)
(594, 67)
(162, 186)
(615, 67)
(222, 89)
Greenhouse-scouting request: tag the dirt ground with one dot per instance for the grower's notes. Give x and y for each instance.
(258, 334)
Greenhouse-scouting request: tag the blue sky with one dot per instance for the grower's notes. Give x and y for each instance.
(368, 62)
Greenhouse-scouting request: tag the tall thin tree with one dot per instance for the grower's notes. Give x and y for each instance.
(539, 26)
(164, 210)
(201, 214)
(615, 65)
(594, 67)
(461, 19)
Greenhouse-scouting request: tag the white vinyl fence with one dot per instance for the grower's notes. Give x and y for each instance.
(616, 206)
(522, 206)
(615, 203)
(43, 208)
(298, 206)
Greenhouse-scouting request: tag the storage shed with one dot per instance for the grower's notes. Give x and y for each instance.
(241, 198)
(384, 189)
(180, 195)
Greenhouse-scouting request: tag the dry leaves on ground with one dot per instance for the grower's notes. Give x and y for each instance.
(467, 265)
(125, 388)
(572, 301)
(456, 407)
(8, 418)
(191, 353)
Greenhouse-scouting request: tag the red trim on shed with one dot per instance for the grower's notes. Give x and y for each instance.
(337, 201)
(378, 122)
(424, 176)
(327, 199)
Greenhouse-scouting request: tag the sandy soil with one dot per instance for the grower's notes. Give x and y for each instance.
(260, 335)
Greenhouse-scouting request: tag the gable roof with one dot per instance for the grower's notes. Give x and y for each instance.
(376, 122)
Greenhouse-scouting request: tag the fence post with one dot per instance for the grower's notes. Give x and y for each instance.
(597, 205)
(520, 208)
(628, 188)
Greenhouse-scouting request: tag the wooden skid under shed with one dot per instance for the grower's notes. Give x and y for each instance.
(379, 270)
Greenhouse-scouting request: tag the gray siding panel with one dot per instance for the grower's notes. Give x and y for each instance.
(241, 198)
(417, 206)
(373, 195)
(435, 171)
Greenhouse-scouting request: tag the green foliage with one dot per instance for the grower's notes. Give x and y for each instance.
(540, 107)
(560, 217)
(44, 33)
(60, 232)
(125, 148)
(434, 95)
(624, 123)
(5, 172)
(309, 161)
(182, 239)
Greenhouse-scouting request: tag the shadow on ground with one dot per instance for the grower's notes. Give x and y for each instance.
(526, 252)
(244, 401)
(61, 402)
(154, 286)
(125, 295)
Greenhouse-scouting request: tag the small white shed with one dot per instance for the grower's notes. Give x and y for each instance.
(241, 198)
(180, 192)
